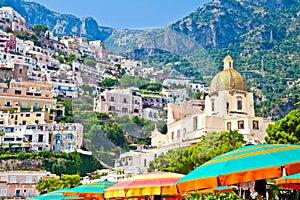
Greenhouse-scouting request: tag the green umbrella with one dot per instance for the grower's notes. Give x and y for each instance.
(91, 190)
(55, 195)
(248, 163)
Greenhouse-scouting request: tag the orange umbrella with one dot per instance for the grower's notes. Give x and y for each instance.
(291, 181)
(248, 163)
(155, 183)
(91, 190)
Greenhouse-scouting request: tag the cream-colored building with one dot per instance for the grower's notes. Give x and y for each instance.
(64, 137)
(229, 106)
(29, 102)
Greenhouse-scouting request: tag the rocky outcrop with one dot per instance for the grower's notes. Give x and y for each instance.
(59, 24)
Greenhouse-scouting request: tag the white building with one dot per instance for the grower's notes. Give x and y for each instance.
(229, 106)
(14, 20)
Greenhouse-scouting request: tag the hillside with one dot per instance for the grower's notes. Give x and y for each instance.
(59, 24)
(262, 36)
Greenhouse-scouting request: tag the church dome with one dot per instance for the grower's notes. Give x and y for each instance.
(228, 79)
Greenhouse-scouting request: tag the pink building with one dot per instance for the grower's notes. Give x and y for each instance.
(20, 184)
(8, 42)
(122, 101)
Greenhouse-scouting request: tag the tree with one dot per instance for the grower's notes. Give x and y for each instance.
(285, 130)
(87, 89)
(70, 181)
(109, 82)
(46, 185)
(211, 145)
(164, 160)
(40, 29)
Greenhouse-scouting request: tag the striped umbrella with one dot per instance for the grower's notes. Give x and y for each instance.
(154, 183)
(291, 181)
(92, 190)
(245, 164)
(56, 195)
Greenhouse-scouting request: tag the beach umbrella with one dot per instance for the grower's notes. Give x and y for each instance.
(91, 190)
(154, 183)
(291, 181)
(218, 189)
(248, 163)
(56, 195)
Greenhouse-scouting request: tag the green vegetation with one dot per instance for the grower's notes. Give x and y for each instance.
(58, 163)
(210, 146)
(47, 185)
(285, 130)
(109, 82)
(136, 81)
(39, 29)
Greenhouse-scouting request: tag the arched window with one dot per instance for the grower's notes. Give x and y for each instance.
(58, 138)
(212, 105)
(70, 136)
(239, 103)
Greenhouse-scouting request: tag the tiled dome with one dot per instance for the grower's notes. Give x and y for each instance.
(228, 79)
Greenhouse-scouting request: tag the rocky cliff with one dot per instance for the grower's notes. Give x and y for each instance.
(59, 24)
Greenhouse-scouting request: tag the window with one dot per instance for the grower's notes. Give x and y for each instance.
(18, 92)
(241, 125)
(112, 99)
(124, 100)
(111, 108)
(24, 104)
(28, 179)
(58, 138)
(239, 103)
(255, 124)
(27, 115)
(150, 114)
(228, 126)
(18, 191)
(69, 146)
(124, 110)
(178, 133)
(8, 103)
(30, 192)
(172, 135)
(38, 115)
(136, 110)
(195, 123)
(41, 138)
(227, 107)
(145, 162)
(70, 136)
(213, 106)
(3, 192)
(36, 105)
(13, 179)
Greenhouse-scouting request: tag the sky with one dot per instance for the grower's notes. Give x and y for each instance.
(126, 14)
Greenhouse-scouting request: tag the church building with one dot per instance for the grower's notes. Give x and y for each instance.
(228, 106)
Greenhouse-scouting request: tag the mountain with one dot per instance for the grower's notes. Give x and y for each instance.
(59, 24)
(223, 22)
(263, 37)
